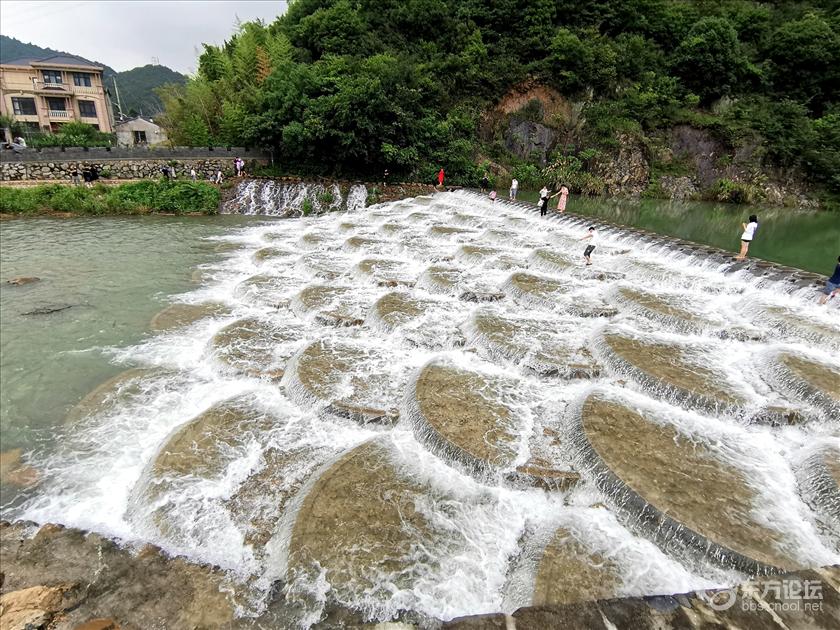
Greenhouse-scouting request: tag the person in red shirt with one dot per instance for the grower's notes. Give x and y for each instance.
(440, 178)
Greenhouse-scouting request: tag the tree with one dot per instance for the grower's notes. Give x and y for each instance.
(710, 60)
(805, 56)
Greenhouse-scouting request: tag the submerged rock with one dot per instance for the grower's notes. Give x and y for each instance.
(672, 371)
(662, 310)
(803, 378)
(550, 261)
(446, 231)
(361, 529)
(818, 477)
(385, 271)
(345, 380)
(395, 309)
(462, 416)
(22, 280)
(529, 343)
(256, 346)
(14, 472)
(675, 489)
(539, 291)
(272, 253)
(119, 390)
(570, 572)
(474, 421)
(784, 322)
(180, 315)
(476, 253)
(198, 451)
(330, 305)
(265, 290)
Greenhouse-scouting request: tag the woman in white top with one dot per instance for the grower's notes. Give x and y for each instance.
(592, 236)
(747, 236)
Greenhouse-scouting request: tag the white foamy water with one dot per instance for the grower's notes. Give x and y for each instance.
(101, 478)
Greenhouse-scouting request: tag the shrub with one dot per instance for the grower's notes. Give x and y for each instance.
(147, 196)
(729, 191)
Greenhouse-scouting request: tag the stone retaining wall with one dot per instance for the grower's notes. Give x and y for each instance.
(52, 154)
(117, 168)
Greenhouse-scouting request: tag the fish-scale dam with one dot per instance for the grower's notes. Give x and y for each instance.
(432, 407)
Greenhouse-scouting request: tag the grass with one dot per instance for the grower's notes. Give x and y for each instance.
(179, 197)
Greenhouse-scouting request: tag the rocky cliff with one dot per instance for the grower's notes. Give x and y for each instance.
(533, 122)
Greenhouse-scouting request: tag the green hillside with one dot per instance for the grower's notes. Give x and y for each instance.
(355, 87)
(137, 86)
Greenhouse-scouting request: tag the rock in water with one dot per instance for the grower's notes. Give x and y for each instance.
(256, 346)
(529, 343)
(671, 371)
(804, 378)
(569, 572)
(360, 529)
(21, 280)
(539, 291)
(475, 422)
(331, 305)
(662, 310)
(675, 489)
(344, 379)
(178, 315)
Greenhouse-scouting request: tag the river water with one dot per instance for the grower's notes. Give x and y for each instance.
(797, 238)
(156, 458)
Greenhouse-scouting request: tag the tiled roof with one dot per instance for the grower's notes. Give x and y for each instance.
(23, 61)
(64, 60)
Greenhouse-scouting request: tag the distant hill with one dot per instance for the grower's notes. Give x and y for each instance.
(136, 85)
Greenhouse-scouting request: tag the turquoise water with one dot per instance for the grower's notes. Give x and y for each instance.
(803, 239)
(114, 274)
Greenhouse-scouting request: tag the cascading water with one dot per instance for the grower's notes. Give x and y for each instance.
(278, 198)
(366, 420)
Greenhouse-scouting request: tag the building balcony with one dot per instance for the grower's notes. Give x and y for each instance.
(90, 116)
(87, 90)
(51, 88)
(59, 114)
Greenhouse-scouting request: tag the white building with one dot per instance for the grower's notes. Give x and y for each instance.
(139, 131)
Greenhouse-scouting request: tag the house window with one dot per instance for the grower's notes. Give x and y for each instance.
(82, 79)
(87, 109)
(56, 104)
(52, 76)
(139, 137)
(23, 106)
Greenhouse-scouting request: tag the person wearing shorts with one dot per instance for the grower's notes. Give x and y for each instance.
(832, 285)
(592, 235)
(747, 236)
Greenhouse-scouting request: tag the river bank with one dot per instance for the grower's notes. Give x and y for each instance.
(141, 197)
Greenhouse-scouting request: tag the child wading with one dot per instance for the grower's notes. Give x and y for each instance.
(747, 236)
(593, 240)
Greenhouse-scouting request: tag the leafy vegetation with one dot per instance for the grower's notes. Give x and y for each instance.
(177, 197)
(74, 134)
(351, 88)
